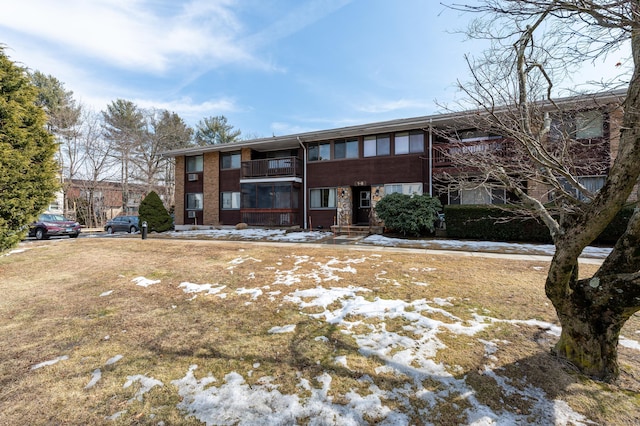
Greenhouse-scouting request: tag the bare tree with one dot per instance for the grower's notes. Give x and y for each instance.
(165, 131)
(99, 167)
(536, 43)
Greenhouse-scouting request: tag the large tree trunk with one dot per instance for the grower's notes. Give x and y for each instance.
(593, 311)
(590, 331)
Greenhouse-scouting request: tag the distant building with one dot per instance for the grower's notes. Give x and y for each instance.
(92, 204)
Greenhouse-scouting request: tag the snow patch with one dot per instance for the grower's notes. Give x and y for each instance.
(144, 282)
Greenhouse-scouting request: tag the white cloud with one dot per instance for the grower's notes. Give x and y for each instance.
(132, 35)
(382, 106)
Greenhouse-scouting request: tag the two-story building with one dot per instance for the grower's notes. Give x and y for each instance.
(335, 177)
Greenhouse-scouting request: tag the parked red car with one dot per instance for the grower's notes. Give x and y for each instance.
(53, 225)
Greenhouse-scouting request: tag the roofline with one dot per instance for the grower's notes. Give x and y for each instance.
(396, 125)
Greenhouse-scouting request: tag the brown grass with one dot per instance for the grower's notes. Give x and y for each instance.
(51, 306)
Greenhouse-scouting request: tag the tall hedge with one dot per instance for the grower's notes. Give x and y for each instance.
(28, 169)
(153, 212)
(491, 223)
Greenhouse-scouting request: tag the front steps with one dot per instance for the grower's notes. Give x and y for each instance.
(356, 230)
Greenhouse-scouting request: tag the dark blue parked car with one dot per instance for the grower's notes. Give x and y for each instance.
(122, 224)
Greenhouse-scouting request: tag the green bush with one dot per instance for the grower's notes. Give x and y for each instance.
(153, 212)
(410, 215)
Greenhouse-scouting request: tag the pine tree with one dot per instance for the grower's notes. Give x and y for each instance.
(27, 166)
(152, 211)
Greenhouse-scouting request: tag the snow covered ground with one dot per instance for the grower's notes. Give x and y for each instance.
(280, 235)
(408, 356)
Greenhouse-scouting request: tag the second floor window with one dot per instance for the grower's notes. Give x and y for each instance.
(195, 164)
(345, 149)
(409, 142)
(377, 145)
(230, 160)
(319, 152)
(589, 125)
(578, 125)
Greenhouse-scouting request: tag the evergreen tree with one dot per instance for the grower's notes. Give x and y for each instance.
(215, 130)
(27, 166)
(152, 211)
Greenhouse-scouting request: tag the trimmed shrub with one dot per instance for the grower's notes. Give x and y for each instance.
(153, 212)
(480, 222)
(490, 223)
(409, 215)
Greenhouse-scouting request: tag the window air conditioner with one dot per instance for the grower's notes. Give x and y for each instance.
(192, 177)
(191, 214)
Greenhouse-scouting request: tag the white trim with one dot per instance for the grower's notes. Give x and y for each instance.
(269, 180)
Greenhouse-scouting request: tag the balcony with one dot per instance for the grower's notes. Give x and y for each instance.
(585, 157)
(444, 154)
(270, 217)
(272, 167)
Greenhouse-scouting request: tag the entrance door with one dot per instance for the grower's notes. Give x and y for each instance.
(362, 205)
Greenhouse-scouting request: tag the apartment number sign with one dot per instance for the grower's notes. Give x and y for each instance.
(360, 183)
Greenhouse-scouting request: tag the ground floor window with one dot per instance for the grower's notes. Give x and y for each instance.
(593, 184)
(403, 188)
(478, 194)
(269, 196)
(195, 201)
(230, 200)
(322, 198)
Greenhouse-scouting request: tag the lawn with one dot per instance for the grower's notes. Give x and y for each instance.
(126, 331)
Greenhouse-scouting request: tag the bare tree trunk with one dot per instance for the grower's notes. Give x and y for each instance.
(591, 322)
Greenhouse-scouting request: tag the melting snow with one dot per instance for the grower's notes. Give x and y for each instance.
(408, 355)
(144, 282)
(188, 287)
(50, 362)
(95, 377)
(285, 329)
(113, 360)
(146, 384)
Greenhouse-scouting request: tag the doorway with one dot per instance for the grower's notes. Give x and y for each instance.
(361, 205)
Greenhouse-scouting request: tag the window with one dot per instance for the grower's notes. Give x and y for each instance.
(345, 149)
(403, 188)
(593, 184)
(195, 201)
(230, 160)
(194, 164)
(589, 124)
(322, 198)
(481, 194)
(377, 145)
(365, 199)
(230, 200)
(580, 125)
(409, 142)
(269, 196)
(319, 152)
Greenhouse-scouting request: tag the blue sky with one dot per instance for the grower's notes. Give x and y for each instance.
(272, 67)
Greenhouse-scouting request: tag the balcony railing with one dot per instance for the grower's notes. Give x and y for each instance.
(267, 217)
(272, 167)
(444, 154)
